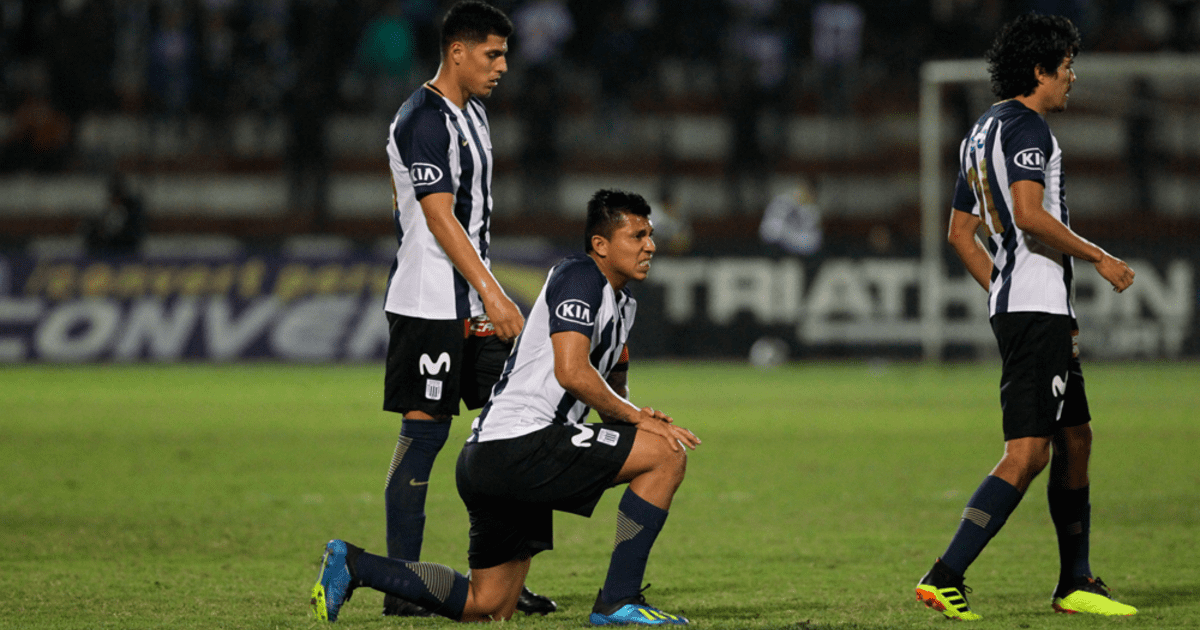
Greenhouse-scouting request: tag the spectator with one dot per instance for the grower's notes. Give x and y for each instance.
(837, 47)
(619, 62)
(269, 64)
(541, 28)
(119, 230)
(1141, 158)
(40, 138)
(132, 52)
(218, 44)
(386, 56)
(172, 58)
(792, 222)
(757, 68)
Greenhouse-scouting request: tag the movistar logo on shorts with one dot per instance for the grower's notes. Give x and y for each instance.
(425, 174)
(576, 311)
(430, 367)
(581, 438)
(1032, 159)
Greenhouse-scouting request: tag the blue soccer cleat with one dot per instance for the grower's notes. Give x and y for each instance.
(631, 610)
(334, 585)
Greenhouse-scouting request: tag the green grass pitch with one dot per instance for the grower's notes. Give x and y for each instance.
(199, 496)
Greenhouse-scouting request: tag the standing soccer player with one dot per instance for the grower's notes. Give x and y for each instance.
(451, 325)
(1010, 181)
(531, 451)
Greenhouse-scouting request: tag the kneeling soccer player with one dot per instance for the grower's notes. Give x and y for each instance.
(531, 451)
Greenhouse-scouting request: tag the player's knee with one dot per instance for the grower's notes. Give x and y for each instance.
(673, 462)
(1079, 439)
(1034, 462)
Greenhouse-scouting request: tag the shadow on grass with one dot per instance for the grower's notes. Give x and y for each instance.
(1149, 598)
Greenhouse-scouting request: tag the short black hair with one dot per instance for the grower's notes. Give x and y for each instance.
(605, 210)
(472, 21)
(1029, 42)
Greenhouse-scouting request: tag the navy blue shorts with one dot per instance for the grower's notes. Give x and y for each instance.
(1041, 384)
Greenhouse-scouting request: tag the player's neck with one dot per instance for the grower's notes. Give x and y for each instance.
(615, 280)
(446, 86)
(1034, 102)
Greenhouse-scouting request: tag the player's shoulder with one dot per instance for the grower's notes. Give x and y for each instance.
(577, 275)
(1017, 117)
(578, 268)
(423, 108)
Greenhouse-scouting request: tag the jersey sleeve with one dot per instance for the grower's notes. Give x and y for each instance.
(573, 298)
(423, 142)
(1026, 144)
(964, 197)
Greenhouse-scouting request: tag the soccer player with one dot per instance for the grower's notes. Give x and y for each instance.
(1010, 182)
(451, 324)
(530, 451)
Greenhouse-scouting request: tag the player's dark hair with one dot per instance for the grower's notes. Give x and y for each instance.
(1025, 44)
(605, 213)
(471, 22)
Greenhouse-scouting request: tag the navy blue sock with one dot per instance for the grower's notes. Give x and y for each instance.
(407, 484)
(435, 587)
(986, 512)
(1071, 512)
(638, 524)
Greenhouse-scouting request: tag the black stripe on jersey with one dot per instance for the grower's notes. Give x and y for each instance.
(463, 203)
(478, 108)
(1010, 262)
(605, 344)
(564, 408)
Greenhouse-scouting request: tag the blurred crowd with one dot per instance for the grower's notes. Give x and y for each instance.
(170, 60)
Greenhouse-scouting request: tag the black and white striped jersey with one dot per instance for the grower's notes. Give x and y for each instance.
(435, 147)
(1011, 143)
(576, 297)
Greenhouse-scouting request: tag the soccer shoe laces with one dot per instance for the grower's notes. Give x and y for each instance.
(641, 595)
(1097, 586)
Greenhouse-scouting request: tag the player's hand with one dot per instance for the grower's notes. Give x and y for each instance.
(506, 317)
(1118, 274)
(659, 423)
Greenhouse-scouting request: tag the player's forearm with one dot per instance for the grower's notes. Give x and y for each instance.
(975, 258)
(1059, 237)
(618, 381)
(593, 391)
(977, 261)
(1032, 218)
(453, 240)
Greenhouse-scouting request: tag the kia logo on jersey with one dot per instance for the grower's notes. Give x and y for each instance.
(576, 311)
(1032, 159)
(425, 174)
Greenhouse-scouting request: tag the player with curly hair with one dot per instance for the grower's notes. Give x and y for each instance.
(1010, 184)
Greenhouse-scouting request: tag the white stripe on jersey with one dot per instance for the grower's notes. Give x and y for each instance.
(1027, 275)
(424, 283)
(528, 397)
